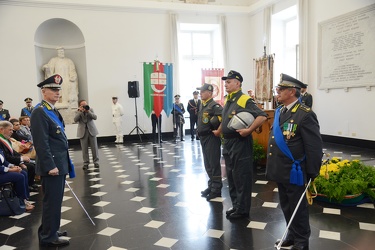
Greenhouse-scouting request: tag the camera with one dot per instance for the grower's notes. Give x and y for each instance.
(86, 107)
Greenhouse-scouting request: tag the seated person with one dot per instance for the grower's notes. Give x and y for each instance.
(17, 176)
(17, 133)
(20, 143)
(6, 130)
(25, 127)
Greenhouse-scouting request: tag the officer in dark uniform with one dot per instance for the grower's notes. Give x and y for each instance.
(193, 108)
(52, 161)
(4, 113)
(306, 98)
(238, 145)
(296, 129)
(26, 111)
(178, 118)
(209, 119)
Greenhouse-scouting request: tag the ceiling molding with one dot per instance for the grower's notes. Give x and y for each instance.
(141, 6)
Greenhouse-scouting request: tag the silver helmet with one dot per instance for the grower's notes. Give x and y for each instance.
(241, 120)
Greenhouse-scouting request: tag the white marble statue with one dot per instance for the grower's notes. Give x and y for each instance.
(66, 69)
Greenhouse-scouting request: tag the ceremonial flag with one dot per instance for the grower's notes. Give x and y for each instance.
(158, 88)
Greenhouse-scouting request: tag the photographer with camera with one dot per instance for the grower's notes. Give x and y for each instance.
(87, 132)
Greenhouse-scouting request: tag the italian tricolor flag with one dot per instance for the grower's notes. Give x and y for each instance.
(158, 88)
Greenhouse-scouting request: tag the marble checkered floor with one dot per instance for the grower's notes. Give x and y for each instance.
(148, 197)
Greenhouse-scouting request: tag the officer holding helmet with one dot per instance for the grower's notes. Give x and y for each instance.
(238, 145)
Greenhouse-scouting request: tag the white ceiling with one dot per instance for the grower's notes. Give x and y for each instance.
(216, 2)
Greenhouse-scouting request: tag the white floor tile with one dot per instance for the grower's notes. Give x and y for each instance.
(367, 226)
(138, 198)
(109, 231)
(257, 225)
(214, 233)
(331, 211)
(101, 203)
(104, 216)
(270, 204)
(12, 230)
(166, 242)
(329, 235)
(154, 224)
(145, 210)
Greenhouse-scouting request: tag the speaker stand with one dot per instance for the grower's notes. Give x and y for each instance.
(137, 128)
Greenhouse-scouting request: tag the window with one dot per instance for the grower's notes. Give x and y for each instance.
(285, 40)
(199, 46)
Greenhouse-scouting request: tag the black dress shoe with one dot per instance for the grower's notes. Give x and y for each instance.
(182, 139)
(96, 165)
(205, 192)
(62, 233)
(211, 196)
(237, 215)
(85, 167)
(287, 244)
(230, 211)
(32, 189)
(56, 243)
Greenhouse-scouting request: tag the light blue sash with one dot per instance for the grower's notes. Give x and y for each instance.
(26, 112)
(296, 175)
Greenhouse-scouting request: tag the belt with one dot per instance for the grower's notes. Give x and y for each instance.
(204, 133)
(231, 136)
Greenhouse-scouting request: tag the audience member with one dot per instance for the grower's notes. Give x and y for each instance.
(25, 127)
(17, 176)
(26, 111)
(117, 113)
(87, 132)
(238, 145)
(193, 108)
(4, 113)
(11, 155)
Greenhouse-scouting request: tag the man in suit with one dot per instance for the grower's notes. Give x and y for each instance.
(87, 132)
(193, 108)
(52, 161)
(4, 113)
(293, 158)
(306, 98)
(26, 111)
(25, 128)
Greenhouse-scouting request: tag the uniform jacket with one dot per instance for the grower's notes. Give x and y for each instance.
(307, 99)
(51, 143)
(178, 117)
(86, 119)
(300, 129)
(234, 105)
(4, 113)
(117, 112)
(193, 108)
(209, 116)
(24, 113)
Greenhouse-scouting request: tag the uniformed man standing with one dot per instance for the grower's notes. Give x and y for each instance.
(4, 113)
(193, 108)
(306, 98)
(209, 119)
(26, 111)
(117, 113)
(52, 161)
(178, 118)
(238, 145)
(293, 158)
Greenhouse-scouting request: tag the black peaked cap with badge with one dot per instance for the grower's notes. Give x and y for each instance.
(206, 86)
(54, 81)
(177, 96)
(287, 81)
(196, 92)
(28, 99)
(1, 102)
(233, 75)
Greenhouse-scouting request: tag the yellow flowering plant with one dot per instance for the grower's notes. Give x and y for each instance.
(339, 179)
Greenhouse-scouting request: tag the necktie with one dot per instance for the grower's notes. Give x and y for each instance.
(283, 113)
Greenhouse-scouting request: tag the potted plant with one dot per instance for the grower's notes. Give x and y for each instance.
(345, 182)
(259, 152)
